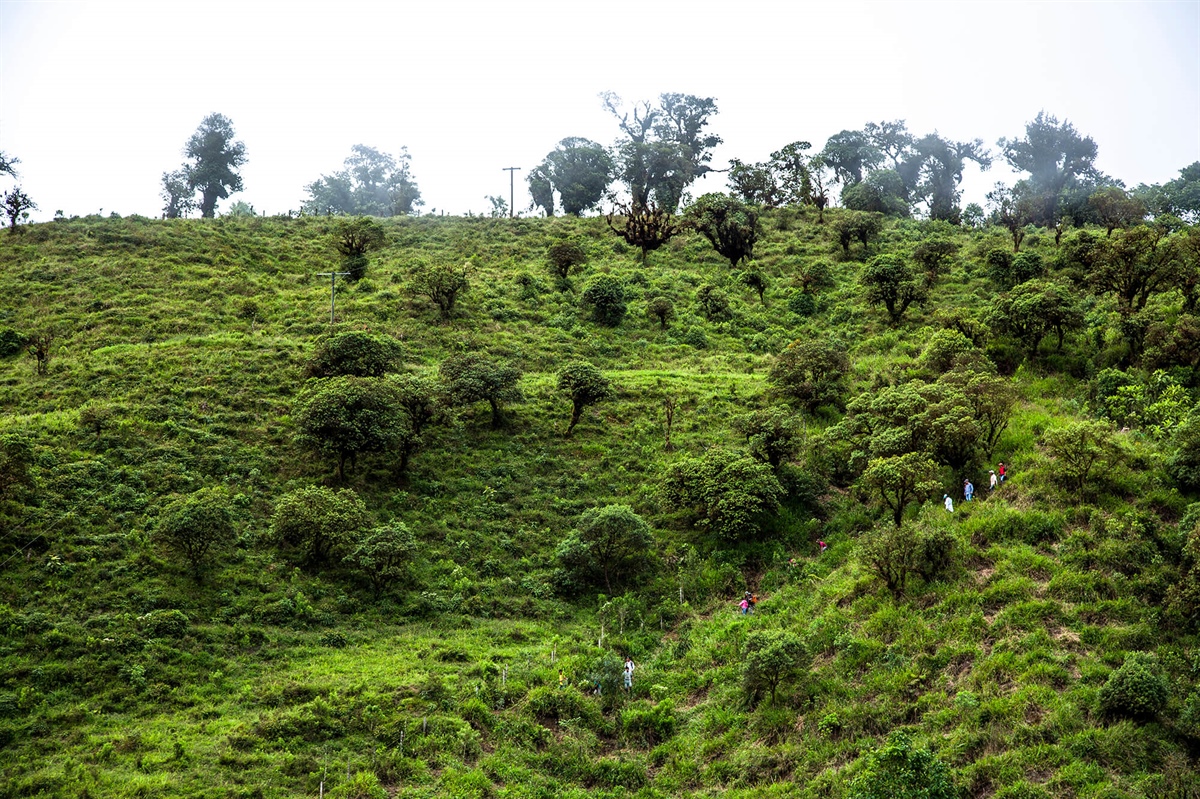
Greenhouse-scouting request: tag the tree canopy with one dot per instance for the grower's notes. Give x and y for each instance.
(216, 158)
(371, 183)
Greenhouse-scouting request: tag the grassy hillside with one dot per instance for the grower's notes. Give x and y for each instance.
(178, 364)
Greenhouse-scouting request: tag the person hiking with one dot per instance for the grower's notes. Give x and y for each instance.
(822, 546)
(628, 674)
(745, 604)
(1001, 471)
(562, 680)
(992, 480)
(968, 490)
(948, 502)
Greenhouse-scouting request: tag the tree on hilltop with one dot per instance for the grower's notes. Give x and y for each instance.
(372, 183)
(578, 169)
(215, 160)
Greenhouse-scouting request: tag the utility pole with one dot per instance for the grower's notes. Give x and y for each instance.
(333, 276)
(511, 170)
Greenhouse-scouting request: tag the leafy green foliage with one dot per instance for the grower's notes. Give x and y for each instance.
(898, 553)
(899, 770)
(609, 546)
(713, 303)
(578, 169)
(853, 225)
(1077, 448)
(729, 494)
(349, 416)
(475, 378)
(195, 525)
(731, 226)
(662, 310)
(1033, 310)
(372, 183)
(771, 434)
(772, 659)
(565, 257)
(216, 158)
(605, 295)
(889, 281)
(900, 480)
(585, 385)
(382, 555)
(811, 372)
(355, 354)
(442, 284)
(318, 522)
(1138, 689)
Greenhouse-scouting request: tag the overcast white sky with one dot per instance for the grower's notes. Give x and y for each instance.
(97, 98)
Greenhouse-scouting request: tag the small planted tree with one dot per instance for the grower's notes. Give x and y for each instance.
(901, 771)
(661, 310)
(194, 526)
(729, 494)
(382, 555)
(756, 280)
(890, 282)
(38, 345)
(609, 546)
(606, 298)
(1138, 690)
(442, 284)
(770, 434)
(933, 255)
(900, 480)
(354, 238)
(585, 385)
(349, 416)
(730, 225)
(564, 258)
(811, 372)
(1076, 450)
(317, 522)
(773, 658)
(17, 205)
(355, 354)
(472, 378)
(713, 303)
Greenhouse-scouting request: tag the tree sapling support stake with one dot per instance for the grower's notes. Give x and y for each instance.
(512, 171)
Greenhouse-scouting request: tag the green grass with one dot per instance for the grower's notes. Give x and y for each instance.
(192, 336)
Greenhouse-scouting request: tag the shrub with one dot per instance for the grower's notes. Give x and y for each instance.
(802, 303)
(11, 342)
(585, 385)
(811, 372)
(165, 623)
(772, 658)
(382, 555)
(648, 724)
(1137, 690)
(318, 521)
(713, 303)
(901, 771)
(442, 284)
(729, 494)
(195, 525)
(606, 297)
(564, 257)
(607, 546)
(355, 354)
(363, 785)
(662, 310)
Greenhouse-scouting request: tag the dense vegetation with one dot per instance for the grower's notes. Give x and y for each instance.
(251, 553)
